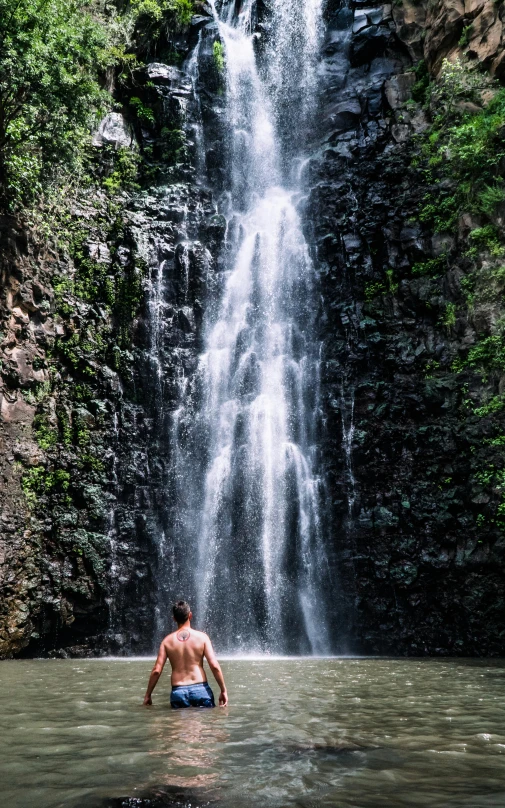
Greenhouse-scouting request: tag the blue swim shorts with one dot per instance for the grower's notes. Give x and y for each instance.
(199, 695)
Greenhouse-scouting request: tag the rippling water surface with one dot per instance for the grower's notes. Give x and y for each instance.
(327, 732)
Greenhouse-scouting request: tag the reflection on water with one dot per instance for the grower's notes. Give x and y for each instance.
(348, 733)
(191, 744)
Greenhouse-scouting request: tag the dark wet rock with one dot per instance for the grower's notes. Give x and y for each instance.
(157, 797)
(368, 43)
(412, 552)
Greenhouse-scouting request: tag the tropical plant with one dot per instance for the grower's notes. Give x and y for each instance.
(50, 52)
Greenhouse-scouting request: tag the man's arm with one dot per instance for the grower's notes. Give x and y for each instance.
(216, 670)
(155, 674)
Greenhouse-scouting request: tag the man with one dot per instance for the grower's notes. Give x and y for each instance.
(186, 649)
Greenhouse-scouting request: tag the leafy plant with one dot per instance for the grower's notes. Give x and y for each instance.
(490, 197)
(180, 10)
(374, 289)
(465, 36)
(421, 89)
(50, 53)
(431, 267)
(485, 238)
(463, 150)
(218, 52)
(142, 112)
(125, 171)
(449, 317)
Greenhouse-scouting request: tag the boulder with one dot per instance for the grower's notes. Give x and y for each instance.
(399, 89)
(115, 131)
(343, 116)
(369, 43)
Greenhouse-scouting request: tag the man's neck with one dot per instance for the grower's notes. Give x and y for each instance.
(187, 624)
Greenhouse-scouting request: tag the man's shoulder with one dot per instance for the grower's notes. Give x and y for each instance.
(201, 635)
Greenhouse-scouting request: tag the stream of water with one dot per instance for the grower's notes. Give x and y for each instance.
(249, 499)
(352, 733)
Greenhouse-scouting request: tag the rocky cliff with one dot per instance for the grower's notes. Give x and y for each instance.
(102, 302)
(101, 330)
(411, 325)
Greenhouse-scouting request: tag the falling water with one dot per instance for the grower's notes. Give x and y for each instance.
(248, 490)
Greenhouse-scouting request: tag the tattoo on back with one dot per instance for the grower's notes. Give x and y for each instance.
(183, 635)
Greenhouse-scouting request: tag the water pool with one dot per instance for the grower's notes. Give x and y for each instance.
(360, 733)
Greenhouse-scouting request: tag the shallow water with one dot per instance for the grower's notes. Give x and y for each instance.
(364, 733)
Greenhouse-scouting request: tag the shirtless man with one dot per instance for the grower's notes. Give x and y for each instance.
(186, 649)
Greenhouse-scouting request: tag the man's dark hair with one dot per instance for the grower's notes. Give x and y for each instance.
(181, 611)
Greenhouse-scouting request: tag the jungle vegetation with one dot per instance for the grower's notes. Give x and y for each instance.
(58, 61)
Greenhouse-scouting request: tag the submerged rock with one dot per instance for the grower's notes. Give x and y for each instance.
(158, 797)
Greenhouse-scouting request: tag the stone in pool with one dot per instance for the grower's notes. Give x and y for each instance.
(159, 797)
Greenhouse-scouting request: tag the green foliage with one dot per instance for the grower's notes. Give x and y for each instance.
(432, 267)
(37, 482)
(465, 36)
(488, 354)
(143, 113)
(53, 59)
(421, 89)
(431, 366)
(50, 52)
(486, 357)
(150, 19)
(449, 316)
(485, 239)
(45, 435)
(498, 441)
(173, 145)
(183, 11)
(489, 198)
(156, 10)
(464, 147)
(125, 172)
(218, 52)
(37, 393)
(392, 284)
(65, 427)
(374, 289)
(493, 479)
(457, 82)
(496, 404)
(440, 209)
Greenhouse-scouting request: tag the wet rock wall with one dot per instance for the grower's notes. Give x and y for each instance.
(100, 333)
(421, 566)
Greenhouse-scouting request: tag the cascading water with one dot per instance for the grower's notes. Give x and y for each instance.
(250, 546)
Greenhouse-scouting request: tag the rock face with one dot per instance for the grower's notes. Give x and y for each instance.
(450, 29)
(418, 573)
(96, 338)
(99, 344)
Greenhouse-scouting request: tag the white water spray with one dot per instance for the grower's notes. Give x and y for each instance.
(254, 520)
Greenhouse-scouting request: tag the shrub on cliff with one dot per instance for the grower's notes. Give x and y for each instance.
(463, 152)
(156, 21)
(50, 54)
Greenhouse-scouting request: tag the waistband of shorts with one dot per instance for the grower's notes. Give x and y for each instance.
(193, 684)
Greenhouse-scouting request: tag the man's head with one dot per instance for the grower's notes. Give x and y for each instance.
(181, 612)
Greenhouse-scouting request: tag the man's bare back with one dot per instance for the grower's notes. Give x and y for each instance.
(186, 650)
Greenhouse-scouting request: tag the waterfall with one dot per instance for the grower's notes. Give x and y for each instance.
(251, 551)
